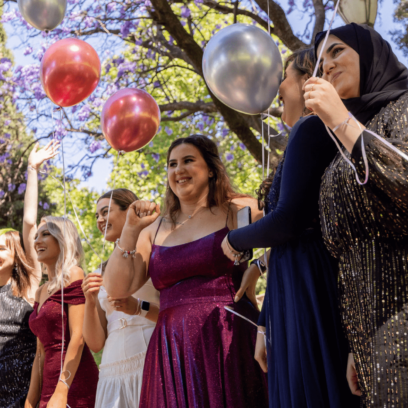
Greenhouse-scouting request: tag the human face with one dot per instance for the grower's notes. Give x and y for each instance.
(188, 173)
(46, 245)
(6, 259)
(340, 65)
(117, 219)
(291, 94)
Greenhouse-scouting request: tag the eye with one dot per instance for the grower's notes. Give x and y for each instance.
(172, 164)
(188, 160)
(336, 51)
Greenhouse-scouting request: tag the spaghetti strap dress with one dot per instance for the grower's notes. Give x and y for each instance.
(200, 354)
(46, 324)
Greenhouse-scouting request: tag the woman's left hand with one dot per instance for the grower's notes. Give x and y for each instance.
(248, 285)
(228, 250)
(128, 305)
(59, 399)
(321, 98)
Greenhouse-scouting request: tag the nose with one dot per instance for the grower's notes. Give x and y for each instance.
(100, 218)
(327, 66)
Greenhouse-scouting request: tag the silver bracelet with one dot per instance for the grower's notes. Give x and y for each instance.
(31, 168)
(260, 331)
(125, 253)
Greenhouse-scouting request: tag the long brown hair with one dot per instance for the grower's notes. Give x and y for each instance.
(22, 271)
(303, 63)
(122, 197)
(221, 191)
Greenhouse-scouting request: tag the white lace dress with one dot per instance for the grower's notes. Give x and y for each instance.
(121, 368)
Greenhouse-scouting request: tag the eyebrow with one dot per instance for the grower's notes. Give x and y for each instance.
(103, 208)
(185, 157)
(332, 46)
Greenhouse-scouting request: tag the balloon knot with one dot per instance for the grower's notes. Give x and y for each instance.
(57, 109)
(121, 152)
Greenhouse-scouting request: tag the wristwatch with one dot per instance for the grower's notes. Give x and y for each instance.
(144, 308)
(261, 266)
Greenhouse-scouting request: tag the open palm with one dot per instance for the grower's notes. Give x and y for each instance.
(38, 157)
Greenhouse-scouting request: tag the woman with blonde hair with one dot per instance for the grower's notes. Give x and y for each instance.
(20, 276)
(121, 327)
(58, 310)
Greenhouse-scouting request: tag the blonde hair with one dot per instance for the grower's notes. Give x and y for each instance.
(71, 252)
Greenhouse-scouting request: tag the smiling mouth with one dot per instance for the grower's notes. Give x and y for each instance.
(183, 181)
(335, 76)
(39, 250)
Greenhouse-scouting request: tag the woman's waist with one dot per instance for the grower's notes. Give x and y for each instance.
(199, 289)
(122, 367)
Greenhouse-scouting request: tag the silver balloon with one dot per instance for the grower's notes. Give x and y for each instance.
(243, 68)
(43, 14)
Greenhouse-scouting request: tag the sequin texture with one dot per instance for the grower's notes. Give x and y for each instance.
(366, 227)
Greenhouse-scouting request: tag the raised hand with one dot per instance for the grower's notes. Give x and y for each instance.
(91, 286)
(38, 157)
(129, 305)
(142, 213)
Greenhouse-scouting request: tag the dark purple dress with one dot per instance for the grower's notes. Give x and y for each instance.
(46, 325)
(201, 355)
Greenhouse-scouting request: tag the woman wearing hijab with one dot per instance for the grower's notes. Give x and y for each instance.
(305, 348)
(366, 226)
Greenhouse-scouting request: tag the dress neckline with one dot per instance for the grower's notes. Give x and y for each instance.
(191, 242)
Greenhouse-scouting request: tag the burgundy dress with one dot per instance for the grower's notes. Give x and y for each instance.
(46, 325)
(201, 355)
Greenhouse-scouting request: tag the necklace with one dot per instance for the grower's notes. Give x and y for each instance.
(189, 217)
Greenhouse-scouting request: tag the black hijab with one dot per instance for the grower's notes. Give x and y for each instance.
(383, 78)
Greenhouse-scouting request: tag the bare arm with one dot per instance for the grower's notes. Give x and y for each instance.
(95, 323)
(34, 392)
(35, 160)
(124, 276)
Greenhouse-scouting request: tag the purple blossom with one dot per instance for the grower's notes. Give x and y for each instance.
(21, 188)
(95, 145)
(168, 131)
(232, 147)
(185, 12)
(1, 193)
(242, 146)
(229, 157)
(28, 50)
(200, 126)
(148, 3)
(224, 132)
(7, 122)
(83, 113)
(138, 42)
(11, 15)
(280, 127)
(197, 2)
(143, 173)
(284, 51)
(143, 166)
(2, 141)
(111, 7)
(156, 84)
(46, 206)
(156, 156)
(11, 187)
(125, 28)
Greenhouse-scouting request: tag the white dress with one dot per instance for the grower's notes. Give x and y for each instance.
(123, 357)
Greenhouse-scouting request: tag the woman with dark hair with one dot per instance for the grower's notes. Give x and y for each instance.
(366, 226)
(20, 276)
(305, 353)
(200, 355)
(121, 327)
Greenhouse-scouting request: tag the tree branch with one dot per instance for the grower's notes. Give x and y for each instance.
(320, 18)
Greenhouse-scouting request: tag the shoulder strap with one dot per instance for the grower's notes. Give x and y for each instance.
(155, 235)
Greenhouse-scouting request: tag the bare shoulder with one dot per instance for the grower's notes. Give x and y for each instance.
(241, 202)
(38, 293)
(149, 232)
(76, 274)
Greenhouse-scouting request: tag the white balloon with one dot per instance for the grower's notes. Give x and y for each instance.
(43, 14)
(242, 66)
(358, 11)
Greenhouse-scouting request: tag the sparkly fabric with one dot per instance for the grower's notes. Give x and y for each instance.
(17, 349)
(46, 325)
(201, 355)
(366, 227)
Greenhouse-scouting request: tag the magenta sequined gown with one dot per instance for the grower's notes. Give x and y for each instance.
(201, 355)
(47, 326)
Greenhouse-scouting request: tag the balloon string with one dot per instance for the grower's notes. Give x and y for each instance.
(109, 207)
(325, 39)
(230, 309)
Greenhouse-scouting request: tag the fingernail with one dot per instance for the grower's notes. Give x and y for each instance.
(236, 298)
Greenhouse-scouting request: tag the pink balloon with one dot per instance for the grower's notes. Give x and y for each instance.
(130, 119)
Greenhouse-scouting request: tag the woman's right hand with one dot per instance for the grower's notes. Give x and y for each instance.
(91, 285)
(38, 157)
(142, 213)
(260, 349)
(352, 376)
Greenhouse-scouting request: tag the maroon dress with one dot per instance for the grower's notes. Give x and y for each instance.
(201, 355)
(46, 325)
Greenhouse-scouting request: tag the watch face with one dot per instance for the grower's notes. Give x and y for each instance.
(145, 306)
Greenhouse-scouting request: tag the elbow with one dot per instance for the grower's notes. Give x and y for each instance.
(95, 348)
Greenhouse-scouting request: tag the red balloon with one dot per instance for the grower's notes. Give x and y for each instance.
(130, 119)
(70, 71)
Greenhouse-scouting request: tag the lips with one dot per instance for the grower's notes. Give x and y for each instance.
(335, 76)
(183, 180)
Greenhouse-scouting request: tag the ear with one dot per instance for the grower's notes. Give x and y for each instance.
(210, 174)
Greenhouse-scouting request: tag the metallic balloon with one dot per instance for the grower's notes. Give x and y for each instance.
(70, 71)
(43, 14)
(130, 119)
(243, 68)
(358, 11)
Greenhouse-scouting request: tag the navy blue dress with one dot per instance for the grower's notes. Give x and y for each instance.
(306, 347)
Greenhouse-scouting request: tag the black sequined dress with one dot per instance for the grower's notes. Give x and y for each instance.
(17, 349)
(366, 227)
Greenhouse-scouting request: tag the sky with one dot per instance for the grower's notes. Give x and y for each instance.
(103, 168)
